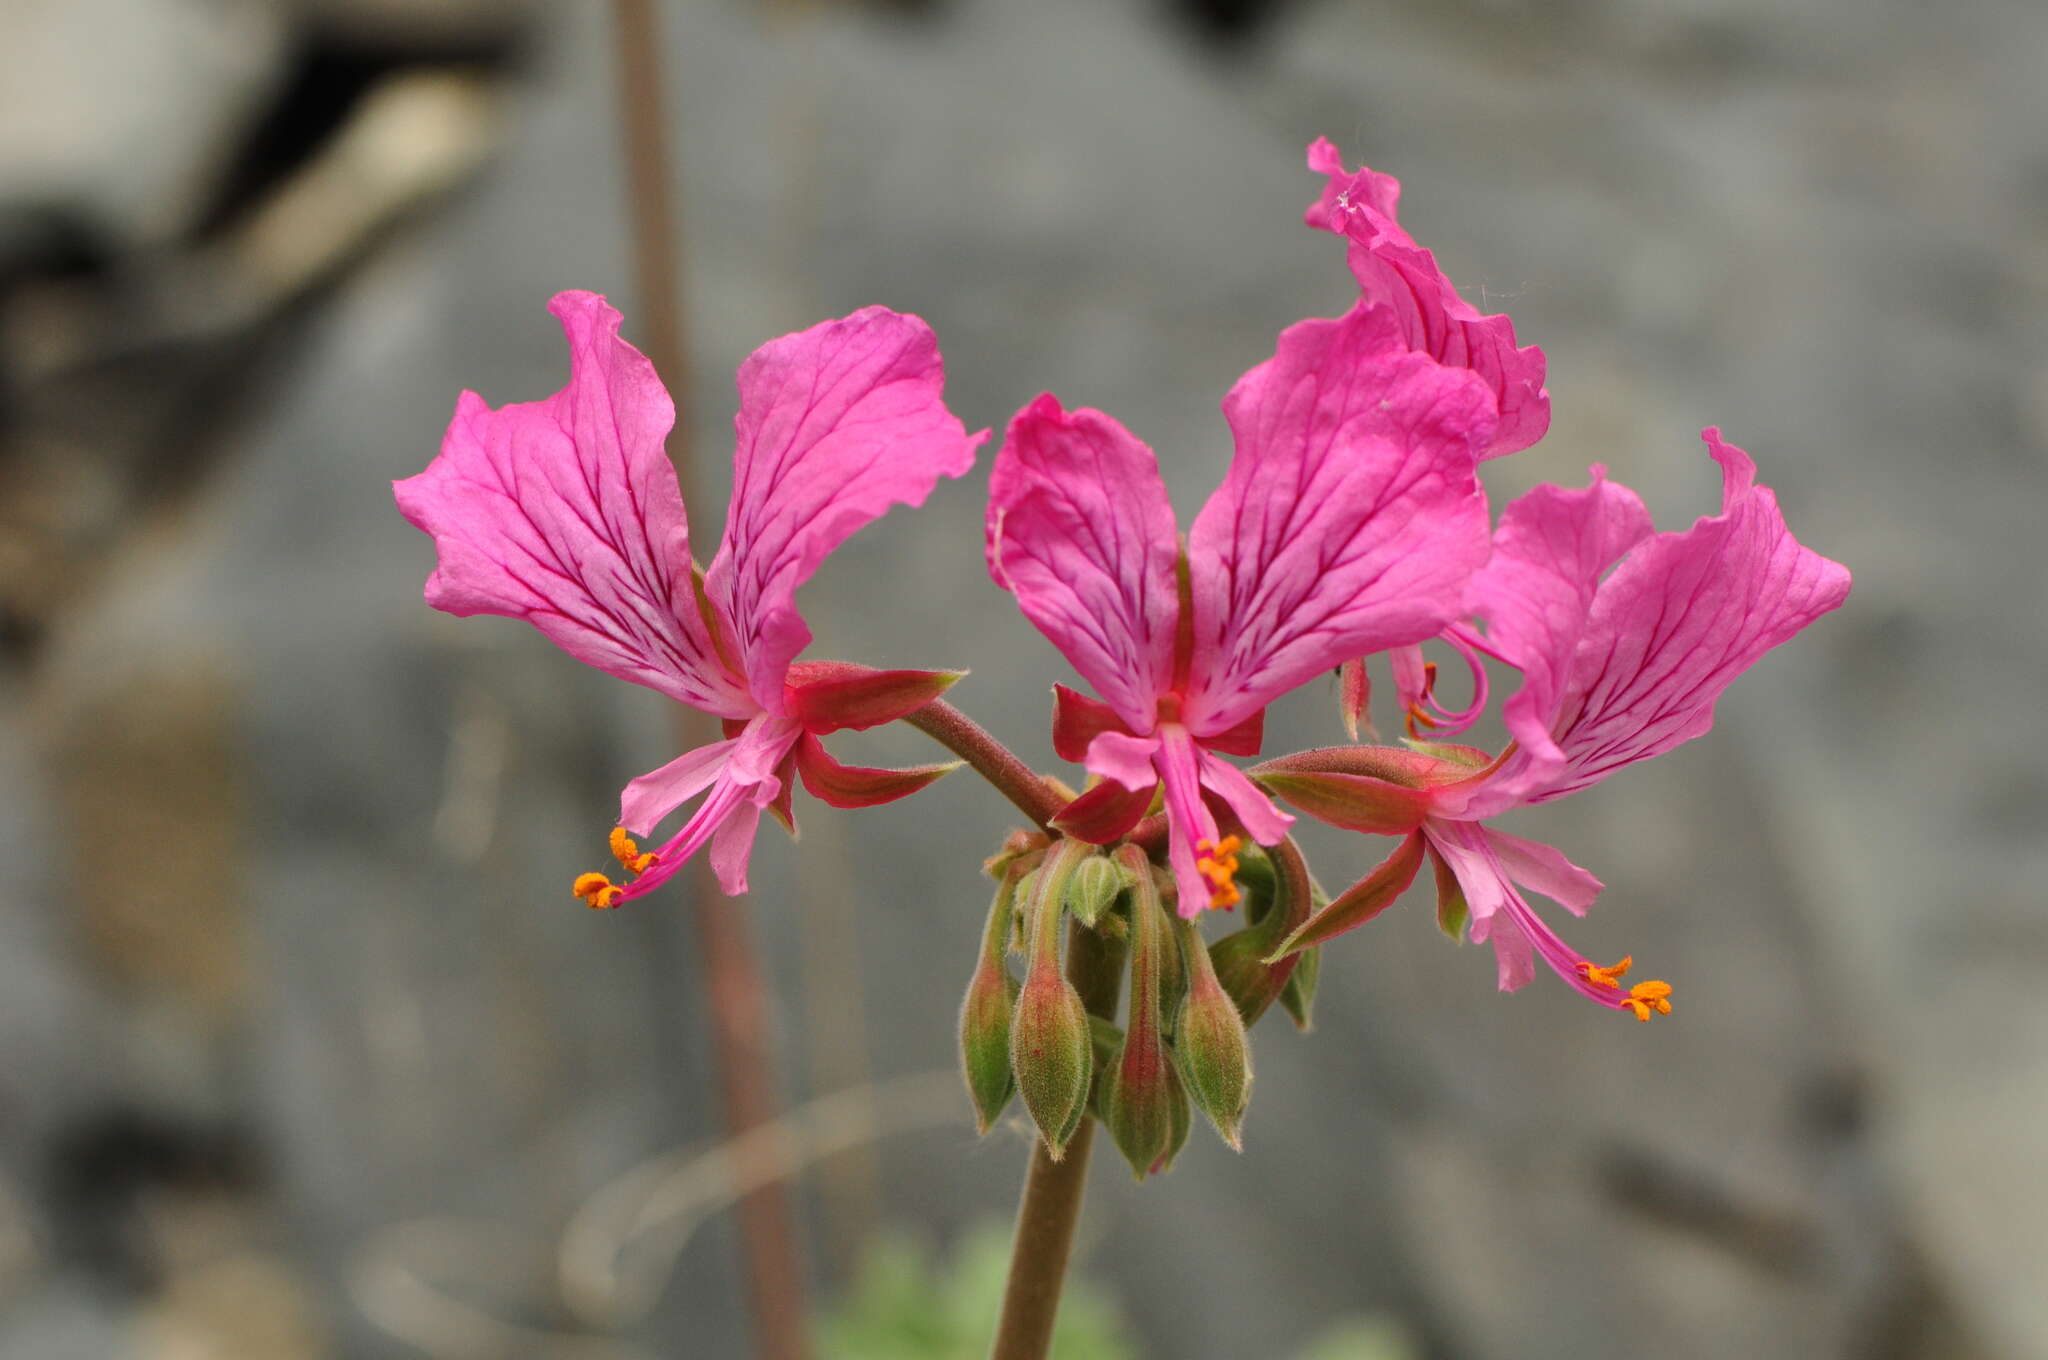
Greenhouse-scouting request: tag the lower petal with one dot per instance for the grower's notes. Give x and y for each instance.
(1544, 869)
(1191, 837)
(1125, 758)
(654, 796)
(1266, 823)
(732, 845)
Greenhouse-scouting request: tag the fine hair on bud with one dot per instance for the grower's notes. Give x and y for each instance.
(1215, 1055)
(1051, 1052)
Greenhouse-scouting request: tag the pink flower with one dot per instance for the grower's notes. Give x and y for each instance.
(1349, 522)
(566, 513)
(1625, 639)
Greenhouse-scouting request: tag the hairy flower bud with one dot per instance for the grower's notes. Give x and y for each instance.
(1140, 1087)
(1299, 995)
(1051, 1052)
(1094, 888)
(985, 1014)
(1215, 1056)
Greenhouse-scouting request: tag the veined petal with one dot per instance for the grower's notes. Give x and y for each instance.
(1392, 270)
(836, 425)
(1350, 520)
(1081, 532)
(1536, 594)
(565, 513)
(1678, 620)
(652, 797)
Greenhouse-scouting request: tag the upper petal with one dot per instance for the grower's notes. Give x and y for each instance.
(836, 424)
(1536, 594)
(1350, 520)
(565, 513)
(1393, 270)
(1679, 619)
(1081, 532)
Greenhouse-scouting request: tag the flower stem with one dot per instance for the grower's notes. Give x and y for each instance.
(734, 992)
(991, 759)
(1051, 1206)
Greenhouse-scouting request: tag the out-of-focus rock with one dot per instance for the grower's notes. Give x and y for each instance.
(120, 114)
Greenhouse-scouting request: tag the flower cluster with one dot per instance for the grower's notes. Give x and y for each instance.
(1352, 522)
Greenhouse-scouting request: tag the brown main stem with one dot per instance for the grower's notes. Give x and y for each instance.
(735, 995)
(1051, 1206)
(992, 760)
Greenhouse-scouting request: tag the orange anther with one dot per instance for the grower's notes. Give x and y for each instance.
(588, 885)
(1610, 975)
(1218, 864)
(1645, 997)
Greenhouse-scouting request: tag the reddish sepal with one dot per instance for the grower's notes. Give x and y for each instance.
(1105, 812)
(827, 696)
(1241, 740)
(1355, 802)
(1362, 901)
(853, 786)
(1078, 720)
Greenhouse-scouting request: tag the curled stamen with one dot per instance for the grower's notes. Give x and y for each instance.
(596, 891)
(627, 852)
(1609, 976)
(1646, 997)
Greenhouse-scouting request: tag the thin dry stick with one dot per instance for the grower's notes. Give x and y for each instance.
(734, 992)
(1051, 1206)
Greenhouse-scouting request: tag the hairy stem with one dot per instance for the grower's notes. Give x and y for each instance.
(991, 759)
(734, 993)
(1051, 1206)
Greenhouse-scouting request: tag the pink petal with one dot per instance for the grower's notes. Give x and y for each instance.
(1189, 820)
(1544, 869)
(565, 513)
(1266, 823)
(1081, 532)
(732, 846)
(1678, 620)
(1350, 520)
(1127, 759)
(1434, 320)
(1536, 594)
(651, 797)
(836, 425)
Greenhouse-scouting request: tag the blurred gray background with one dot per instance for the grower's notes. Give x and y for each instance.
(305, 1049)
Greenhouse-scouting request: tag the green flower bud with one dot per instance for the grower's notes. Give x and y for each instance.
(1140, 1089)
(1051, 1052)
(1094, 888)
(1299, 995)
(1215, 1056)
(985, 1014)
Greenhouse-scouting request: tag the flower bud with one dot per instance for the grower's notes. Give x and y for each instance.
(1051, 1055)
(1094, 888)
(985, 1014)
(1299, 995)
(1051, 1052)
(1140, 1089)
(1215, 1057)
